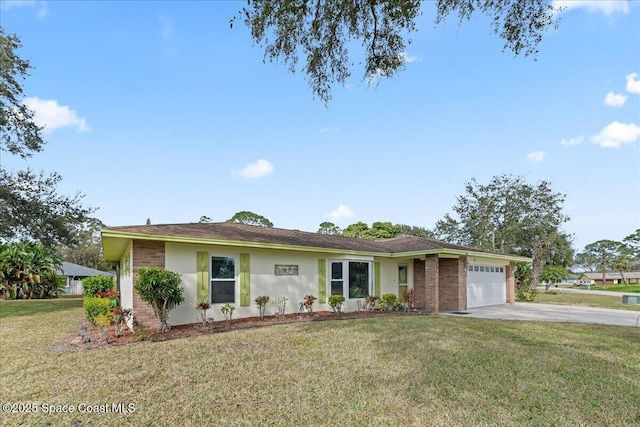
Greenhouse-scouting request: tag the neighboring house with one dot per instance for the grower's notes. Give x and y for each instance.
(633, 277)
(235, 263)
(74, 273)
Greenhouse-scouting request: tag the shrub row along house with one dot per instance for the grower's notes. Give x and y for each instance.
(235, 263)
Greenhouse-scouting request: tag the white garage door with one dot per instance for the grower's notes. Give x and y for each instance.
(486, 285)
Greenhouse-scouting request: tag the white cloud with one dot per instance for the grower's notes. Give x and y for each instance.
(615, 134)
(606, 7)
(535, 157)
(572, 141)
(633, 85)
(615, 99)
(51, 115)
(16, 4)
(408, 59)
(166, 26)
(340, 213)
(256, 170)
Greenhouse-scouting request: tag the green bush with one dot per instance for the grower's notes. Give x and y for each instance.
(390, 302)
(526, 294)
(335, 302)
(162, 289)
(95, 307)
(94, 284)
(261, 302)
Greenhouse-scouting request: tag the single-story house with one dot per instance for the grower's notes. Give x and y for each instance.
(73, 275)
(235, 263)
(633, 277)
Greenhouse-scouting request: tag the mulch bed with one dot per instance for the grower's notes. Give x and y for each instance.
(88, 336)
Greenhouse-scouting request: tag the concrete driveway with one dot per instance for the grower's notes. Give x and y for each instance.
(555, 313)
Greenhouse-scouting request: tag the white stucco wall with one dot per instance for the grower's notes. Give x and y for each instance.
(181, 258)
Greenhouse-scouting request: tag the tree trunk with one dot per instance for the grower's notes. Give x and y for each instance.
(164, 325)
(624, 279)
(535, 271)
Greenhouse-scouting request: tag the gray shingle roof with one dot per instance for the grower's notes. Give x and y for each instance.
(77, 270)
(611, 276)
(250, 233)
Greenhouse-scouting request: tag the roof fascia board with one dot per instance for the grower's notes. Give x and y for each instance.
(241, 243)
(260, 245)
(460, 252)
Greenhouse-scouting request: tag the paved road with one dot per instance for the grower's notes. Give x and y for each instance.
(555, 313)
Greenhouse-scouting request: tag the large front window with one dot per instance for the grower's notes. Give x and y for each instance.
(357, 275)
(223, 280)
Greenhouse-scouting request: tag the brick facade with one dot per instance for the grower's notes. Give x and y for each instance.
(432, 283)
(453, 284)
(418, 283)
(146, 254)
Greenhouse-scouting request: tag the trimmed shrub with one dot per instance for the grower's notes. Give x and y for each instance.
(162, 289)
(261, 302)
(94, 307)
(94, 284)
(335, 302)
(526, 294)
(390, 302)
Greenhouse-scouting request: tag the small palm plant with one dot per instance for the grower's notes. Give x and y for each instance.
(336, 302)
(227, 311)
(261, 302)
(202, 309)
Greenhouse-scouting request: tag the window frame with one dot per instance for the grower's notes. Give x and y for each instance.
(346, 283)
(235, 279)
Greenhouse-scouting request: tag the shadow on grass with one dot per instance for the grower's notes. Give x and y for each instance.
(18, 308)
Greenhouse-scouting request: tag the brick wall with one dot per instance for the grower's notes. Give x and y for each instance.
(510, 283)
(418, 283)
(431, 284)
(452, 277)
(146, 254)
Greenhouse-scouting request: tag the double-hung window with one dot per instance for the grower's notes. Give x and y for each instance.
(223, 280)
(351, 279)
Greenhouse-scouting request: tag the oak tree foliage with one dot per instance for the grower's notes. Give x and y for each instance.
(19, 134)
(250, 218)
(323, 33)
(30, 207)
(510, 215)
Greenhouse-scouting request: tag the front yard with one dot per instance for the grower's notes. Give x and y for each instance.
(586, 300)
(417, 370)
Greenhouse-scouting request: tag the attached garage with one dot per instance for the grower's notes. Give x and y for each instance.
(486, 285)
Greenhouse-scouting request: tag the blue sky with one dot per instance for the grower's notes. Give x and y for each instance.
(159, 110)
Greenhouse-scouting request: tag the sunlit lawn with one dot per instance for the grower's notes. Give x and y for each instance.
(618, 288)
(418, 370)
(586, 300)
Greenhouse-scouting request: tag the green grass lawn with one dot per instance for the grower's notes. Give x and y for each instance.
(587, 300)
(617, 288)
(415, 370)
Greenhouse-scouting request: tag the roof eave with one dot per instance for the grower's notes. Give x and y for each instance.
(116, 242)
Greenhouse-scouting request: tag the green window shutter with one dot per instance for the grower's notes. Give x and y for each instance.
(245, 286)
(322, 281)
(202, 276)
(376, 278)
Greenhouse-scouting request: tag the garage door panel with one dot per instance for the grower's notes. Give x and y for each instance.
(485, 288)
